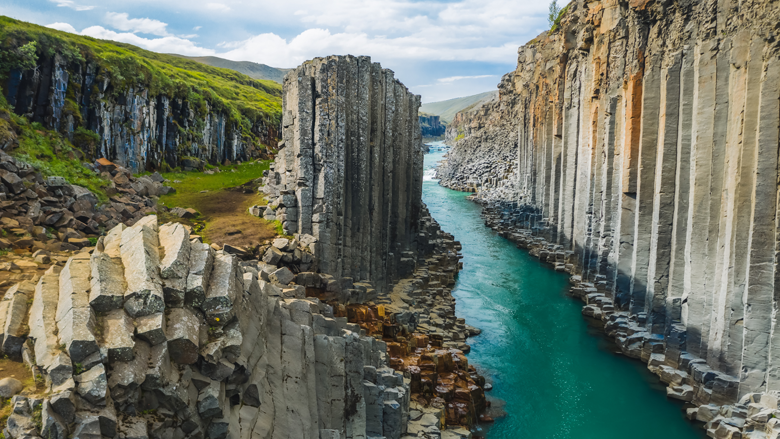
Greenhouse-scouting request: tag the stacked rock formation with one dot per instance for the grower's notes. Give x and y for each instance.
(48, 213)
(155, 334)
(646, 140)
(350, 170)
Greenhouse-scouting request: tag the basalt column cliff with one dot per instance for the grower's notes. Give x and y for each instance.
(637, 146)
(153, 333)
(350, 171)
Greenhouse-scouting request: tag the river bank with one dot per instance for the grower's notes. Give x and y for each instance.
(555, 377)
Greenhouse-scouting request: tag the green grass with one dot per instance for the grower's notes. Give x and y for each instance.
(244, 100)
(49, 153)
(52, 155)
(193, 182)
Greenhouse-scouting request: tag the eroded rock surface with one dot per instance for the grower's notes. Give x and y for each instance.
(636, 147)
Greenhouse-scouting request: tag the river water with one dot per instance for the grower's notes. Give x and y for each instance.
(558, 377)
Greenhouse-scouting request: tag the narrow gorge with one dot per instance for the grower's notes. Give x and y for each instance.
(190, 252)
(636, 148)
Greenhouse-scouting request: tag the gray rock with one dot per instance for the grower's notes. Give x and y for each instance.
(282, 276)
(151, 328)
(63, 404)
(201, 263)
(175, 264)
(141, 260)
(210, 400)
(225, 285)
(93, 385)
(117, 335)
(10, 387)
(54, 426)
(183, 335)
(108, 283)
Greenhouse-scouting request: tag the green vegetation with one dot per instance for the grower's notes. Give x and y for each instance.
(191, 184)
(461, 134)
(50, 153)
(244, 100)
(555, 15)
(5, 412)
(37, 417)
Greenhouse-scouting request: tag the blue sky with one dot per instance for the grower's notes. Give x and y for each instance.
(440, 49)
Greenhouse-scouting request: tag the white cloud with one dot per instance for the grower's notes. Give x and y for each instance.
(461, 78)
(221, 7)
(274, 50)
(71, 4)
(63, 27)
(168, 44)
(197, 28)
(122, 22)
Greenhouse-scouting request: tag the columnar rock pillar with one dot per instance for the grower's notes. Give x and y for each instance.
(350, 170)
(646, 140)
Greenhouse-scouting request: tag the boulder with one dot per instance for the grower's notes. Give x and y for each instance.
(10, 387)
(273, 256)
(282, 276)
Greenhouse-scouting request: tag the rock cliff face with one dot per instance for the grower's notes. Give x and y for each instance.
(137, 128)
(155, 334)
(641, 148)
(350, 170)
(431, 126)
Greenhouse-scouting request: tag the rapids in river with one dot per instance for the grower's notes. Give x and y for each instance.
(555, 376)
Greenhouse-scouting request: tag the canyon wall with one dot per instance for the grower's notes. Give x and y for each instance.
(137, 128)
(431, 126)
(639, 141)
(350, 168)
(154, 334)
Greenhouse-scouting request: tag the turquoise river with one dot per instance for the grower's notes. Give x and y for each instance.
(558, 377)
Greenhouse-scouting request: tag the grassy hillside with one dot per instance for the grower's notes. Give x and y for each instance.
(244, 99)
(251, 69)
(446, 110)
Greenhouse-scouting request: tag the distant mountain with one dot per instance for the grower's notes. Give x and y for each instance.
(446, 110)
(251, 69)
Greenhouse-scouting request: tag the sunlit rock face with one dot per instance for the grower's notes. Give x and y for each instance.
(643, 137)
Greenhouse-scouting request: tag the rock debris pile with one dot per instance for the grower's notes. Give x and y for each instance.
(48, 213)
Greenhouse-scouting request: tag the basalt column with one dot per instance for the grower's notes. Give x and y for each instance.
(350, 170)
(647, 141)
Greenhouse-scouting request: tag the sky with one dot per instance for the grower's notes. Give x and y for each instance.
(440, 49)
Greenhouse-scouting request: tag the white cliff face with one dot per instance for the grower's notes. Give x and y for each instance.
(646, 143)
(350, 170)
(247, 358)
